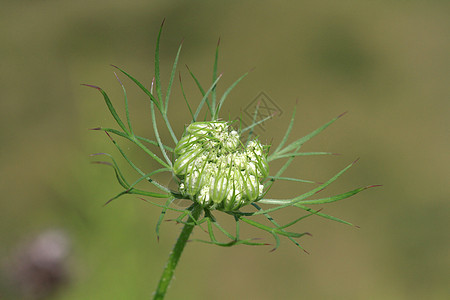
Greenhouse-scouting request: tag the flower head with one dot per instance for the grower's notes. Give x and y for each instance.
(216, 170)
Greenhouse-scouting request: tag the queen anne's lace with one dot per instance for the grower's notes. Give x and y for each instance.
(216, 170)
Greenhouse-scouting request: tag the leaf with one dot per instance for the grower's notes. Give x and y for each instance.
(205, 97)
(110, 107)
(306, 138)
(224, 96)
(142, 87)
(172, 75)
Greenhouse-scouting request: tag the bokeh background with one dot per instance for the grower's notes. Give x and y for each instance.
(385, 62)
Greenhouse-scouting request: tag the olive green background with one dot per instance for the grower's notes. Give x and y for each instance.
(385, 62)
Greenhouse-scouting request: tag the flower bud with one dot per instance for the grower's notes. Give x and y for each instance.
(216, 170)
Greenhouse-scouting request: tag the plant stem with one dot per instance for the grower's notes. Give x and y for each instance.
(175, 254)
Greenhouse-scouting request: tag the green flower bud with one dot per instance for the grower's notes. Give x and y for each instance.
(182, 162)
(216, 170)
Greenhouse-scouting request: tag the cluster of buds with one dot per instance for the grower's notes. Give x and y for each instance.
(216, 170)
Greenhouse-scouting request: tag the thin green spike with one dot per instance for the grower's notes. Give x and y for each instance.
(134, 166)
(161, 216)
(297, 220)
(185, 99)
(110, 107)
(316, 212)
(127, 112)
(172, 75)
(214, 77)
(157, 73)
(297, 199)
(288, 131)
(205, 97)
(158, 139)
(257, 123)
(252, 125)
(201, 90)
(272, 220)
(124, 135)
(337, 197)
(275, 157)
(306, 138)
(270, 229)
(117, 172)
(290, 179)
(224, 96)
(142, 87)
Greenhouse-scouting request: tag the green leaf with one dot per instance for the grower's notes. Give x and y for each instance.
(224, 96)
(110, 107)
(142, 87)
(214, 77)
(291, 202)
(127, 112)
(301, 141)
(211, 110)
(257, 123)
(120, 178)
(293, 154)
(162, 215)
(172, 75)
(288, 131)
(157, 73)
(158, 139)
(272, 220)
(337, 197)
(316, 212)
(124, 135)
(205, 97)
(185, 99)
(270, 229)
(290, 179)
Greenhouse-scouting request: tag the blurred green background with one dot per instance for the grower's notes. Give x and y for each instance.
(386, 62)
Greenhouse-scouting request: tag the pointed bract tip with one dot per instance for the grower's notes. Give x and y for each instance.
(320, 190)
(96, 128)
(107, 202)
(92, 86)
(252, 69)
(145, 200)
(162, 23)
(342, 114)
(102, 163)
(374, 185)
(306, 251)
(356, 160)
(118, 79)
(109, 136)
(218, 42)
(357, 226)
(95, 154)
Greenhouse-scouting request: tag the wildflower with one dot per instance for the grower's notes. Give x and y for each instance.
(215, 169)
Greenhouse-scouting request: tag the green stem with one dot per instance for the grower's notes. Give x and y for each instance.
(174, 256)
